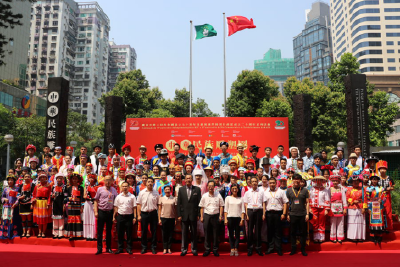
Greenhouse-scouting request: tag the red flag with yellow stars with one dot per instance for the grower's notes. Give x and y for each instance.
(238, 23)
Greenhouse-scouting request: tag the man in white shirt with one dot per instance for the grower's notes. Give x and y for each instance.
(253, 200)
(275, 205)
(124, 215)
(94, 158)
(279, 156)
(212, 209)
(67, 161)
(147, 204)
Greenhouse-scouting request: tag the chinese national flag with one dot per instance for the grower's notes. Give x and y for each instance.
(238, 23)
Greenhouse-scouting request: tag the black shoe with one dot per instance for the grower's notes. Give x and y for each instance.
(259, 252)
(129, 251)
(249, 253)
(195, 253)
(216, 254)
(304, 253)
(109, 251)
(183, 253)
(143, 251)
(98, 252)
(119, 251)
(292, 252)
(154, 251)
(206, 253)
(280, 253)
(268, 252)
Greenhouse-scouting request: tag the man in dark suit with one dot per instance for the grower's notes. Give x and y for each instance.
(188, 212)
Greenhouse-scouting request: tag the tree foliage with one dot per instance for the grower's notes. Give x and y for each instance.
(141, 101)
(248, 92)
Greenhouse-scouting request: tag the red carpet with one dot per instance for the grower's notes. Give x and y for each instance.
(21, 255)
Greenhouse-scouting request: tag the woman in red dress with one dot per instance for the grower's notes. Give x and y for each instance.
(42, 204)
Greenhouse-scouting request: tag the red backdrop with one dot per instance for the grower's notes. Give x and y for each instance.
(262, 132)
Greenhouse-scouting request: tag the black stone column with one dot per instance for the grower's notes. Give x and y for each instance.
(357, 113)
(113, 121)
(57, 112)
(302, 122)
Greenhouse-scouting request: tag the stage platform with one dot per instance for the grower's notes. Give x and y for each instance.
(390, 241)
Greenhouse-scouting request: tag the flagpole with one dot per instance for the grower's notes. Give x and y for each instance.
(224, 65)
(190, 75)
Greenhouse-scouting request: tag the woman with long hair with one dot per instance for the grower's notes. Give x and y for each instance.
(42, 204)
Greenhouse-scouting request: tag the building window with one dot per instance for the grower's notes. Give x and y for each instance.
(390, 51)
(393, 34)
(392, 17)
(391, 60)
(84, 112)
(55, 23)
(82, 29)
(389, 43)
(85, 105)
(392, 68)
(80, 62)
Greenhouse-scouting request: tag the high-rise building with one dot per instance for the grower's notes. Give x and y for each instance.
(16, 51)
(312, 48)
(276, 67)
(52, 43)
(91, 64)
(122, 59)
(370, 30)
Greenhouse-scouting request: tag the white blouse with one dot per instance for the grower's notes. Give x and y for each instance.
(234, 206)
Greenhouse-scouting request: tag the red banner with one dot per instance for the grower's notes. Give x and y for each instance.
(263, 132)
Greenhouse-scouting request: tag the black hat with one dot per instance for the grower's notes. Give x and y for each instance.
(249, 174)
(191, 145)
(254, 148)
(265, 161)
(25, 169)
(180, 156)
(372, 158)
(223, 144)
(111, 146)
(97, 146)
(158, 146)
(146, 162)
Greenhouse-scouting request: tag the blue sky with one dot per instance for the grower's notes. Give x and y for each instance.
(159, 31)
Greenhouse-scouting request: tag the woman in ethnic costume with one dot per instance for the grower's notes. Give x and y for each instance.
(57, 195)
(11, 221)
(42, 204)
(74, 198)
(388, 185)
(89, 220)
(338, 209)
(375, 197)
(25, 204)
(356, 211)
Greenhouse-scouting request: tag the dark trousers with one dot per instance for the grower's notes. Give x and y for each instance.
(185, 235)
(274, 230)
(211, 226)
(105, 217)
(149, 218)
(255, 225)
(234, 231)
(167, 226)
(298, 224)
(124, 225)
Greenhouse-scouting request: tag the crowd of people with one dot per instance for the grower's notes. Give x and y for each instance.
(272, 199)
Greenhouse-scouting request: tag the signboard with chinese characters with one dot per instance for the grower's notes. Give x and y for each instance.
(56, 113)
(357, 113)
(201, 132)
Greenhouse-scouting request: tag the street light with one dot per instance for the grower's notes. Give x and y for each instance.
(342, 145)
(73, 144)
(9, 138)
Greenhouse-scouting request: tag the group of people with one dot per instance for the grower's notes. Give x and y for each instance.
(272, 199)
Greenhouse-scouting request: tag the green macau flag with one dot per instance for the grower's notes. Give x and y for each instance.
(205, 30)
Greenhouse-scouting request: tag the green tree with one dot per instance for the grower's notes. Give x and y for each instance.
(138, 98)
(200, 109)
(348, 64)
(248, 91)
(278, 107)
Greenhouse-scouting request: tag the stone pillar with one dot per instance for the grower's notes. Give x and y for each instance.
(357, 113)
(302, 122)
(57, 112)
(113, 122)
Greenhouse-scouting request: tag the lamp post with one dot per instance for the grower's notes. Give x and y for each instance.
(342, 145)
(73, 144)
(9, 138)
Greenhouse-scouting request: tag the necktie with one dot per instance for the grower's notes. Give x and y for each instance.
(189, 192)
